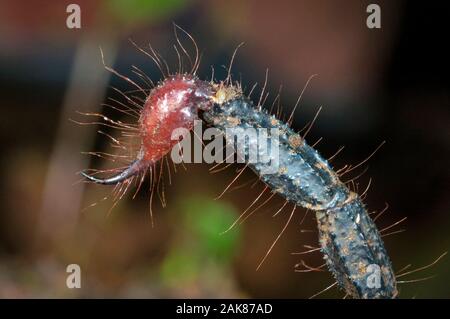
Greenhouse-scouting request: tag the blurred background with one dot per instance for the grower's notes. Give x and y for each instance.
(374, 84)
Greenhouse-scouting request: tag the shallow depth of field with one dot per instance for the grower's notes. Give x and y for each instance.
(373, 85)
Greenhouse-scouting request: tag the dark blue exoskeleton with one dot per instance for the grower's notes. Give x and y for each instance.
(351, 244)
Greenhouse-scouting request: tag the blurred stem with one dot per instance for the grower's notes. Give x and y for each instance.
(62, 198)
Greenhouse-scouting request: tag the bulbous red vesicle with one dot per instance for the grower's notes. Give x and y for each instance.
(171, 105)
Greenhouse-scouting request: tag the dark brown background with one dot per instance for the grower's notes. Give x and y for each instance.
(389, 84)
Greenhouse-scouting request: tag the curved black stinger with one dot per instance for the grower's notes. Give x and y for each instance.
(134, 168)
